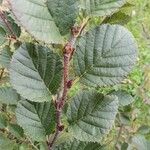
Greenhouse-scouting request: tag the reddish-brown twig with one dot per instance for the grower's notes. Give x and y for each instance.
(60, 102)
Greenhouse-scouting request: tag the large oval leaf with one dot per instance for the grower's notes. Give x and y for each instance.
(101, 7)
(37, 119)
(105, 55)
(36, 72)
(78, 145)
(91, 115)
(45, 20)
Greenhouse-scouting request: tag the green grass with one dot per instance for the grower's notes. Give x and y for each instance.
(140, 27)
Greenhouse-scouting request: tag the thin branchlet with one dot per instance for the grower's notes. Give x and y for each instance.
(68, 52)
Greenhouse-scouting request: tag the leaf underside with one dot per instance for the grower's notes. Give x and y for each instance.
(91, 115)
(105, 55)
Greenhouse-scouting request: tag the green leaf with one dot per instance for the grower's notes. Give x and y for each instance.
(6, 144)
(8, 96)
(15, 28)
(24, 146)
(43, 146)
(78, 145)
(3, 121)
(140, 142)
(101, 7)
(123, 16)
(16, 130)
(45, 20)
(118, 18)
(145, 129)
(105, 55)
(17, 45)
(124, 146)
(64, 13)
(124, 119)
(2, 36)
(36, 72)
(91, 115)
(5, 57)
(63, 137)
(37, 119)
(124, 97)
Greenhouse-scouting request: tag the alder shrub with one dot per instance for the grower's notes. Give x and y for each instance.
(49, 47)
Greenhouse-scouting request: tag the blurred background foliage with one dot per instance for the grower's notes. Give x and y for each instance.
(135, 118)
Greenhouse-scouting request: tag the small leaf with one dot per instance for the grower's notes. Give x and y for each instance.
(6, 144)
(2, 36)
(16, 130)
(5, 57)
(3, 121)
(15, 29)
(124, 146)
(123, 16)
(118, 18)
(8, 96)
(78, 145)
(124, 119)
(140, 142)
(36, 72)
(37, 119)
(145, 129)
(91, 115)
(124, 98)
(17, 45)
(105, 55)
(101, 7)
